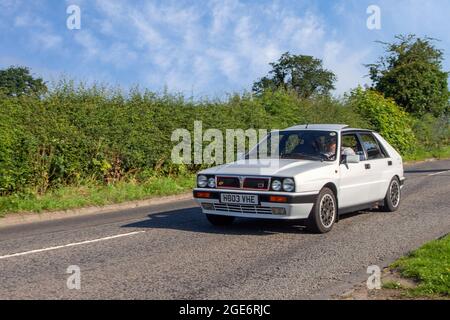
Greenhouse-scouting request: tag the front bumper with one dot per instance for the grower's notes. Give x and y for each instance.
(297, 206)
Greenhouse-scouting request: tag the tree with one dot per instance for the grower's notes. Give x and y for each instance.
(411, 73)
(303, 74)
(17, 81)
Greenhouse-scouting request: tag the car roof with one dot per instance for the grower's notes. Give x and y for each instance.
(325, 127)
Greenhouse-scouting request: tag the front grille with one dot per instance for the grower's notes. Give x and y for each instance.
(236, 208)
(228, 182)
(256, 183)
(250, 183)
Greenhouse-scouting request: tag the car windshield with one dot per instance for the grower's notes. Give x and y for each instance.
(297, 144)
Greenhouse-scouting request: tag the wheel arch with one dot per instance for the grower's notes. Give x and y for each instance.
(394, 176)
(333, 187)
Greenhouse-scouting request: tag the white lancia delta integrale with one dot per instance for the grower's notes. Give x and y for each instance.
(317, 173)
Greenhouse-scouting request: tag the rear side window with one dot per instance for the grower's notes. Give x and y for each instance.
(372, 147)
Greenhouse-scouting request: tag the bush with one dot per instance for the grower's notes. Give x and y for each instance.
(75, 134)
(431, 132)
(386, 117)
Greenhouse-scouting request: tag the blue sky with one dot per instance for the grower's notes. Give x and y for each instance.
(206, 48)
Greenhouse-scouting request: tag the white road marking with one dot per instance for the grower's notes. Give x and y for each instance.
(436, 173)
(69, 245)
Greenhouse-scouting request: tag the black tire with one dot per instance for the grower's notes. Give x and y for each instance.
(393, 196)
(219, 220)
(325, 202)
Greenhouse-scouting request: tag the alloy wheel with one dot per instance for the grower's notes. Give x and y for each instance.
(394, 193)
(327, 210)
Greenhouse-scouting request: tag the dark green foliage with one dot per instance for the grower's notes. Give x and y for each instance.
(75, 134)
(386, 117)
(304, 75)
(432, 133)
(411, 73)
(17, 81)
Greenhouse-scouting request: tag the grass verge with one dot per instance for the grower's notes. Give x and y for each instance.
(429, 266)
(96, 195)
(422, 154)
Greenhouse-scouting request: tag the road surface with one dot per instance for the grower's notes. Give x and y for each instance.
(170, 251)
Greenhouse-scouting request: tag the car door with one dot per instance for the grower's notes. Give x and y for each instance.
(377, 166)
(354, 181)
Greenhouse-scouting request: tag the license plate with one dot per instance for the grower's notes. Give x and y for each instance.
(245, 199)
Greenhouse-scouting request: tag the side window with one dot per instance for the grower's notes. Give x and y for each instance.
(351, 141)
(371, 146)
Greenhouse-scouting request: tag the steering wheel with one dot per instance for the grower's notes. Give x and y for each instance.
(327, 156)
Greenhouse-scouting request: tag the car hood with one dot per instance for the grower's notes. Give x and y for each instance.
(267, 167)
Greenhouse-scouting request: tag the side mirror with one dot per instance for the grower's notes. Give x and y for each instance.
(352, 159)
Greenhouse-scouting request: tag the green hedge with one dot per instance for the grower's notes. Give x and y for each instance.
(76, 134)
(386, 117)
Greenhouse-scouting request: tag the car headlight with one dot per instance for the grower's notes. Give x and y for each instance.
(202, 181)
(212, 182)
(288, 184)
(276, 185)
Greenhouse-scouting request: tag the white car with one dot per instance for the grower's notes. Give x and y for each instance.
(306, 178)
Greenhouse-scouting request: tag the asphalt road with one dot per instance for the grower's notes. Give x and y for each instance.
(171, 252)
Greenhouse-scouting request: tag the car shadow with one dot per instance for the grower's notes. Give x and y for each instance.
(426, 171)
(193, 220)
(349, 215)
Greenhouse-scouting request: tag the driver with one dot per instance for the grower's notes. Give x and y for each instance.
(330, 151)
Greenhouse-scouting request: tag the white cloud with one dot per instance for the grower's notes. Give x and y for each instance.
(47, 40)
(223, 13)
(26, 19)
(111, 8)
(9, 6)
(41, 34)
(348, 66)
(120, 55)
(88, 42)
(216, 45)
(117, 53)
(229, 40)
(146, 32)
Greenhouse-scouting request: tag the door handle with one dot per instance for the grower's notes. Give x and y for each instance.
(367, 166)
(389, 163)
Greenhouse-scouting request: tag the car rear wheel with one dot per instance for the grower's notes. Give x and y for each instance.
(219, 220)
(324, 212)
(393, 196)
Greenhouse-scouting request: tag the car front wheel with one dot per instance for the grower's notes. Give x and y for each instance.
(324, 212)
(393, 196)
(219, 220)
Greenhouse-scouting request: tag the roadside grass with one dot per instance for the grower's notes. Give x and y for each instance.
(429, 267)
(392, 285)
(72, 197)
(422, 154)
